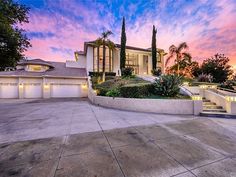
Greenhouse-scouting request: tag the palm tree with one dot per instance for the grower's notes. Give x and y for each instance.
(104, 41)
(178, 54)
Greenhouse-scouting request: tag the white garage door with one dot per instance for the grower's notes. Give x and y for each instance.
(58, 91)
(33, 90)
(9, 90)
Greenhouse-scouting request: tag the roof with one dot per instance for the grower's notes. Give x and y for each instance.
(118, 46)
(59, 70)
(35, 62)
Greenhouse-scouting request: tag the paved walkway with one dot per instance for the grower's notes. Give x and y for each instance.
(58, 138)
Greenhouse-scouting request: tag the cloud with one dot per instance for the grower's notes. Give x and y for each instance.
(61, 27)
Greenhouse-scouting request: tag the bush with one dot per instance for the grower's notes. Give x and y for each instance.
(167, 85)
(113, 92)
(97, 74)
(127, 72)
(156, 72)
(135, 90)
(228, 85)
(205, 78)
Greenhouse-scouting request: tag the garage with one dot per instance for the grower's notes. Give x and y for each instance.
(33, 90)
(36, 79)
(9, 90)
(65, 90)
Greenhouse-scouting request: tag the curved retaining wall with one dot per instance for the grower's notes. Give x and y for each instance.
(161, 106)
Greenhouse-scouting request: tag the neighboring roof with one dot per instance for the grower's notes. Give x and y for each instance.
(35, 62)
(59, 70)
(118, 46)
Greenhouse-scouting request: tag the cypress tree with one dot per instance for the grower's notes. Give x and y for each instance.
(154, 48)
(123, 45)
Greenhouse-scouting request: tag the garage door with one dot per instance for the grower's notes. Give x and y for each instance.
(9, 90)
(58, 91)
(33, 90)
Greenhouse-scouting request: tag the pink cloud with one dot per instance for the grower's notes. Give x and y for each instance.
(69, 34)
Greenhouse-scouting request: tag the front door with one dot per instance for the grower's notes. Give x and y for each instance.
(145, 64)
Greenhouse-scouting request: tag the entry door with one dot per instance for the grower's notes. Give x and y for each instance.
(145, 64)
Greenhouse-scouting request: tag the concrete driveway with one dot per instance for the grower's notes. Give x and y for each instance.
(72, 138)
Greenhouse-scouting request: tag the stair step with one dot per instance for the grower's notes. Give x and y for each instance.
(218, 115)
(209, 103)
(206, 101)
(214, 110)
(212, 107)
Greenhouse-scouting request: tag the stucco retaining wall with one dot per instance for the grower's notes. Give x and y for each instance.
(161, 106)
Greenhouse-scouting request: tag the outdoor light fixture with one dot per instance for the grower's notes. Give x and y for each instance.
(84, 85)
(186, 83)
(208, 86)
(20, 85)
(46, 85)
(203, 86)
(231, 98)
(95, 91)
(196, 97)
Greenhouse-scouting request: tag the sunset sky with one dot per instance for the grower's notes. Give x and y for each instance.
(59, 27)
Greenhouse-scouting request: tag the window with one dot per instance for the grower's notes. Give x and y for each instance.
(98, 59)
(36, 68)
(132, 61)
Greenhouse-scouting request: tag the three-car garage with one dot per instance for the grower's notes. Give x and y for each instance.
(23, 87)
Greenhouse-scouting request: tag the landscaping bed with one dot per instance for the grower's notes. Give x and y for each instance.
(167, 87)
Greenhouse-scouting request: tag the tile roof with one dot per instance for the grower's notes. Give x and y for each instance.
(59, 70)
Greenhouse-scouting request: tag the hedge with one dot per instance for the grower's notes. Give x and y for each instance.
(100, 74)
(135, 90)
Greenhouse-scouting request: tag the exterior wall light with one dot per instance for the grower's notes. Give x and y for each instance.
(196, 97)
(231, 98)
(84, 86)
(46, 85)
(20, 85)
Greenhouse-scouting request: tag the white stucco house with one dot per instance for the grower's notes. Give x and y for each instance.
(138, 58)
(44, 79)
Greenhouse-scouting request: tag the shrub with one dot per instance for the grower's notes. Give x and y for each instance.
(113, 92)
(167, 85)
(135, 90)
(156, 72)
(100, 74)
(127, 72)
(205, 78)
(228, 85)
(95, 80)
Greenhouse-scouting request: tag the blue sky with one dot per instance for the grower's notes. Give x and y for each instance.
(59, 27)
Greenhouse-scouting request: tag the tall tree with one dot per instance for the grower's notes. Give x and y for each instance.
(178, 54)
(104, 41)
(13, 41)
(218, 67)
(154, 49)
(123, 46)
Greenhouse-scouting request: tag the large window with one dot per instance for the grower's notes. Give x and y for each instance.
(98, 59)
(132, 61)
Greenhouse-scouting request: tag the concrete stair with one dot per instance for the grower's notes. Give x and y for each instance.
(210, 109)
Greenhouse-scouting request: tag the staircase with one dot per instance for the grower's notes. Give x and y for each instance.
(210, 109)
